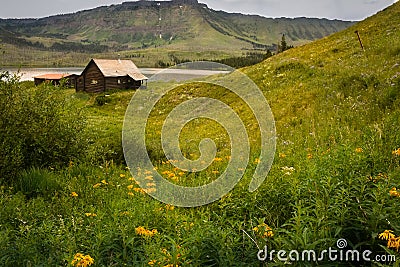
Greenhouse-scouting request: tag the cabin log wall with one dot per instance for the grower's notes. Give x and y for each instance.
(93, 79)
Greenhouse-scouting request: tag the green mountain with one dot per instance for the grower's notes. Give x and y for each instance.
(182, 25)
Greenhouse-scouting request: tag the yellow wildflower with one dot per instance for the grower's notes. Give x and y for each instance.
(218, 159)
(152, 262)
(282, 155)
(144, 232)
(139, 190)
(386, 235)
(309, 156)
(90, 214)
(130, 187)
(130, 194)
(150, 190)
(326, 152)
(104, 182)
(394, 242)
(257, 160)
(396, 152)
(359, 150)
(81, 260)
(150, 184)
(74, 194)
(169, 207)
(122, 175)
(215, 172)
(263, 230)
(188, 225)
(394, 193)
(96, 185)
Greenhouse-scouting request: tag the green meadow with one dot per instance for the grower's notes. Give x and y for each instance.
(68, 199)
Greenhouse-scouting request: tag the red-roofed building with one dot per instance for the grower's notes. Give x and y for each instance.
(55, 78)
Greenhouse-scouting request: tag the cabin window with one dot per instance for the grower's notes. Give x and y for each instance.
(119, 81)
(94, 82)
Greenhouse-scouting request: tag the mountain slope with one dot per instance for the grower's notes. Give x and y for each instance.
(144, 21)
(179, 24)
(337, 63)
(337, 112)
(330, 95)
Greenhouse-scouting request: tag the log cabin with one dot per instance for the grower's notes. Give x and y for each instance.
(101, 75)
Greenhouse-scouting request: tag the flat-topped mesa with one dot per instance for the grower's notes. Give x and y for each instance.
(148, 3)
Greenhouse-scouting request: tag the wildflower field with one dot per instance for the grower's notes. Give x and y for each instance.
(68, 199)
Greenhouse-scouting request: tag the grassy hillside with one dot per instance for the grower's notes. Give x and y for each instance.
(335, 71)
(335, 174)
(140, 27)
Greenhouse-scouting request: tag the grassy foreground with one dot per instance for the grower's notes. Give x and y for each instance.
(337, 166)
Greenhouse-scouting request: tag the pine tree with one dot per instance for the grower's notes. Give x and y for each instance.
(284, 46)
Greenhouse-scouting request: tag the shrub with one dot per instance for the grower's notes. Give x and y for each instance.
(102, 100)
(39, 127)
(36, 182)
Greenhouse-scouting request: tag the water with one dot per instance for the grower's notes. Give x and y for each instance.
(28, 74)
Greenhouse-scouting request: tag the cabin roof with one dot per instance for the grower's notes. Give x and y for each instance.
(119, 68)
(52, 76)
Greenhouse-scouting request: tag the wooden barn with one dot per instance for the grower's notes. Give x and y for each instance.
(104, 74)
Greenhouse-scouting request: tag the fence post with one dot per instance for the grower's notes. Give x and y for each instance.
(359, 39)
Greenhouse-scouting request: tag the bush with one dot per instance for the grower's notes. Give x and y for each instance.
(102, 100)
(39, 127)
(36, 182)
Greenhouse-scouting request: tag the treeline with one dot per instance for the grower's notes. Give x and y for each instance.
(9, 38)
(77, 47)
(174, 60)
(249, 59)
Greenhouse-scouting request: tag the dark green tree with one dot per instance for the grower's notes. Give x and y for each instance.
(284, 46)
(39, 127)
